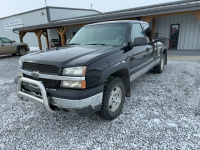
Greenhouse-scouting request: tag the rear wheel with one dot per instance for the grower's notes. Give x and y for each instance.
(113, 99)
(160, 67)
(22, 52)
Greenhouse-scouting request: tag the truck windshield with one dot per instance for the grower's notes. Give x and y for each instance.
(110, 34)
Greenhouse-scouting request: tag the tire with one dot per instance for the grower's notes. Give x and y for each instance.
(113, 99)
(160, 67)
(22, 52)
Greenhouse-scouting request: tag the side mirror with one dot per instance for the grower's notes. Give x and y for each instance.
(139, 41)
(13, 41)
(68, 41)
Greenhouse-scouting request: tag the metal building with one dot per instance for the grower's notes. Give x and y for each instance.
(38, 17)
(179, 21)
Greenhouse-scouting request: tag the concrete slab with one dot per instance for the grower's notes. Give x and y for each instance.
(184, 52)
(184, 58)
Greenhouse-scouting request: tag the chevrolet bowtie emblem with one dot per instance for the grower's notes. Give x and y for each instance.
(35, 74)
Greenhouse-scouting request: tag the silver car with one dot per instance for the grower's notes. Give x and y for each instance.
(11, 47)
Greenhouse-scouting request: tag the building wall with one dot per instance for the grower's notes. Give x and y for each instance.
(35, 18)
(189, 33)
(62, 13)
(27, 19)
(69, 33)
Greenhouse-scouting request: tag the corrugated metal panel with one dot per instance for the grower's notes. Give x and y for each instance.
(58, 14)
(197, 34)
(69, 33)
(27, 19)
(181, 34)
(189, 30)
(53, 34)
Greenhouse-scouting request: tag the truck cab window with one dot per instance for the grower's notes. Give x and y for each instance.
(4, 40)
(136, 32)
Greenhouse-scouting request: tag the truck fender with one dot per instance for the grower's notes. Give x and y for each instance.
(164, 51)
(120, 69)
(20, 46)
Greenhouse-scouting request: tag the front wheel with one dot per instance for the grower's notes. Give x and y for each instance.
(160, 67)
(113, 99)
(22, 52)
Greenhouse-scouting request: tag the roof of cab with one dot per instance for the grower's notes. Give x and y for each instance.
(114, 22)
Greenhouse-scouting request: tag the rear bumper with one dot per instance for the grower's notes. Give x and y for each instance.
(81, 102)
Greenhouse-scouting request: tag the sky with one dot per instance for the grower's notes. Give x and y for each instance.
(11, 7)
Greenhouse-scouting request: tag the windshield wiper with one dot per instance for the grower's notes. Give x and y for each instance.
(74, 44)
(95, 44)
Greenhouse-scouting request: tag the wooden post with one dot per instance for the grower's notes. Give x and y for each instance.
(38, 33)
(47, 39)
(21, 35)
(62, 31)
(154, 26)
(197, 15)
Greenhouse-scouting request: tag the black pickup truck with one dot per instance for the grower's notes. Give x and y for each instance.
(92, 74)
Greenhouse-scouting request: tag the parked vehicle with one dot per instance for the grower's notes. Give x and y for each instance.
(93, 72)
(11, 47)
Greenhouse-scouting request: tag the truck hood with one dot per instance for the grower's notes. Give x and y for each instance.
(76, 55)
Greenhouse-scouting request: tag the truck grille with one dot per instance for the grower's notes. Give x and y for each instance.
(48, 83)
(45, 69)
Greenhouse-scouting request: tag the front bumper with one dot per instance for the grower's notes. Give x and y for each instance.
(73, 101)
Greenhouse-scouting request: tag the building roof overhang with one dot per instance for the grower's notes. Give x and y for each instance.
(146, 12)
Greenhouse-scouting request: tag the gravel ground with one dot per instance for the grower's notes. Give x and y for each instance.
(184, 53)
(159, 115)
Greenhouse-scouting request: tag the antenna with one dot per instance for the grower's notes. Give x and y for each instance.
(45, 3)
(91, 6)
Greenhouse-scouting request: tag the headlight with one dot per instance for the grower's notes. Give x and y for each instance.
(74, 71)
(73, 84)
(20, 64)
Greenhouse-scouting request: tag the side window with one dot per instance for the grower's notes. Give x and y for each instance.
(147, 30)
(4, 40)
(136, 32)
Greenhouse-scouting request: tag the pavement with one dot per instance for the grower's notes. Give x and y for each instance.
(183, 55)
(184, 58)
(184, 52)
(160, 114)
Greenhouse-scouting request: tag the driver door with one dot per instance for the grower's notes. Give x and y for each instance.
(2, 48)
(139, 55)
(7, 46)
